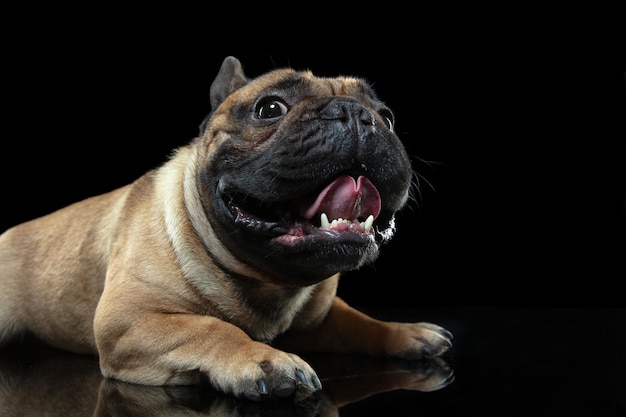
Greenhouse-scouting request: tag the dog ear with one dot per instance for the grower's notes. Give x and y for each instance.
(229, 79)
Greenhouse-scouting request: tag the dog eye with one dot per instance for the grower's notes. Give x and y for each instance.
(270, 108)
(388, 117)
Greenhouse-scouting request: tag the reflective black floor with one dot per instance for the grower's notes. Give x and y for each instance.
(504, 362)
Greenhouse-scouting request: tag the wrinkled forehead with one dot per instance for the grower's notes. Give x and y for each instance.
(306, 84)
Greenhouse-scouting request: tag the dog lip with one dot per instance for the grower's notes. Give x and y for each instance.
(255, 224)
(320, 235)
(291, 230)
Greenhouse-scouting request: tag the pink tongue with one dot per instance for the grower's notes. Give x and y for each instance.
(345, 198)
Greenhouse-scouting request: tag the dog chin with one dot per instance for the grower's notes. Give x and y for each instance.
(312, 263)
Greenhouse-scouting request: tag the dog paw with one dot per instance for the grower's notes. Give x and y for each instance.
(265, 373)
(418, 340)
(300, 384)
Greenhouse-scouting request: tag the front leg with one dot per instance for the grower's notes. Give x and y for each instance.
(171, 349)
(346, 330)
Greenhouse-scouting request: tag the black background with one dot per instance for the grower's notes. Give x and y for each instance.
(516, 130)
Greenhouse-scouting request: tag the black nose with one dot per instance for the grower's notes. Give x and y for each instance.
(351, 114)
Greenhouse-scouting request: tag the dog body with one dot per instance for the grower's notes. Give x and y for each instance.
(202, 267)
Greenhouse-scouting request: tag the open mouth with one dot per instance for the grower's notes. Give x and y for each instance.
(346, 207)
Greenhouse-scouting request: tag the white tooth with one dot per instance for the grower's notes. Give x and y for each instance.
(368, 223)
(324, 222)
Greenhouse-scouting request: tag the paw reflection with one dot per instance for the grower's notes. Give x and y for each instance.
(346, 379)
(350, 379)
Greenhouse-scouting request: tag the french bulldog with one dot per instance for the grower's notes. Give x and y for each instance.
(224, 262)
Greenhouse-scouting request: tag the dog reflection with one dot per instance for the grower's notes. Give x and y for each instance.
(47, 382)
(58, 384)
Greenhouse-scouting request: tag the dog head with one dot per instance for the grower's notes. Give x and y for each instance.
(302, 175)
